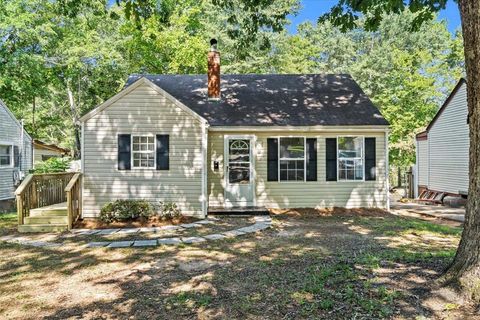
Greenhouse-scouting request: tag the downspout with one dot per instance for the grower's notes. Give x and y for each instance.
(22, 147)
(387, 170)
(203, 197)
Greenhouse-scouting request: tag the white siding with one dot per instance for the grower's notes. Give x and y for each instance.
(38, 153)
(422, 162)
(10, 133)
(320, 193)
(142, 111)
(448, 144)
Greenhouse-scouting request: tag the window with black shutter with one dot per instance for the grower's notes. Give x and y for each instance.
(163, 153)
(331, 159)
(124, 152)
(272, 159)
(370, 159)
(311, 159)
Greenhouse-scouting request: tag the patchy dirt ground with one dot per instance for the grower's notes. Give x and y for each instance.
(331, 266)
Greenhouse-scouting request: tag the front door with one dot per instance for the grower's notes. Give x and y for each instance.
(238, 175)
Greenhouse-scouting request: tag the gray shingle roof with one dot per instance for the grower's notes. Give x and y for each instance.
(274, 99)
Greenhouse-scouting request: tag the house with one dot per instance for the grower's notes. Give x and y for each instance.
(242, 141)
(15, 155)
(43, 151)
(442, 149)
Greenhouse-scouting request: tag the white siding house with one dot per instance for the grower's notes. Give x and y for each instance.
(442, 150)
(162, 138)
(15, 152)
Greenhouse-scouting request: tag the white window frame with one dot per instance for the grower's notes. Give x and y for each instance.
(362, 158)
(12, 160)
(154, 152)
(293, 159)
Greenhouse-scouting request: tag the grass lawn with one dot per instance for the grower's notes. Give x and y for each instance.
(8, 221)
(306, 266)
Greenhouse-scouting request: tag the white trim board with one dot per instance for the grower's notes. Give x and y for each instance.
(299, 128)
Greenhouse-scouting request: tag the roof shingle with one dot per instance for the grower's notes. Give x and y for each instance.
(274, 99)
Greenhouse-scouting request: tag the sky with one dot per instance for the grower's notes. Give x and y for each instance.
(312, 9)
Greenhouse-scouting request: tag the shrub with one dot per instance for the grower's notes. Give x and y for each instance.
(169, 210)
(52, 165)
(121, 210)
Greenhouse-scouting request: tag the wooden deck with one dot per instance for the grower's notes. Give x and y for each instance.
(49, 202)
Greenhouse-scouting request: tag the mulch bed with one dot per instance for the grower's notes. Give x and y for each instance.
(327, 212)
(151, 222)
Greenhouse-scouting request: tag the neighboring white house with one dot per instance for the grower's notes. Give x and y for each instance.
(43, 151)
(245, 141)
(15, 152)
(442, 149)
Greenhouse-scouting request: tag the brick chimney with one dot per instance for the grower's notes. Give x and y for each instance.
(213, 71)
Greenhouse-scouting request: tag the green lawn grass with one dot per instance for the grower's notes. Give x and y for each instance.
(8, 220)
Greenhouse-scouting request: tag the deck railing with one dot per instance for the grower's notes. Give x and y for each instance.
(74, 199)
(40, 190)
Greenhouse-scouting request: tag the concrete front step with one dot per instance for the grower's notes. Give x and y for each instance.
(42, 227)
(47, 219)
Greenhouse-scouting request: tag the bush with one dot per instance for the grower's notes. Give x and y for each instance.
(52, 165)
(169, 210)
(121, 210)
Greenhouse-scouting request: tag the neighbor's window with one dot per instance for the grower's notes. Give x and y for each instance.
(5, 155)
(292, 159)
(143, 151)
(350, 158)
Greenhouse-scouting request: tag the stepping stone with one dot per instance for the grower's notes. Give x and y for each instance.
(169, 241)
(89, 232)
(120, 244)
(233, 233)
(108, 231)
(190, 225)
(215, 236)
(250, 229)
(262, 219)
(205, 222)
(148, 229)
(145, 243)
(97, 244)
(193, 239)
(164, 228)
(128, 230)
(79, 230)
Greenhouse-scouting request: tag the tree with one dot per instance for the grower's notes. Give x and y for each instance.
(465, 268)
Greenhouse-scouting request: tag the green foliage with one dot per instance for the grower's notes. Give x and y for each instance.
(122, 210)
(52, 165)
(169, 210)
(58, 60)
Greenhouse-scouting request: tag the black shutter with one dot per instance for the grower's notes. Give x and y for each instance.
(163, 158)
(370, 159)
(311, 159)
(331, 158)
(124, 152)
(16, 157)
(272, 159)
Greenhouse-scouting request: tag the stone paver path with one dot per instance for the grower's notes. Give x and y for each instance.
(261, 223)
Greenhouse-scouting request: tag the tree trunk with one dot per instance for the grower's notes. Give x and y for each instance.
(34, 107)
(465, 269)
(76, 129)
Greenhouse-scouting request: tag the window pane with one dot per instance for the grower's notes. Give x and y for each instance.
(292, 148)
(239, 173)
(136, 139)
(350, 147)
